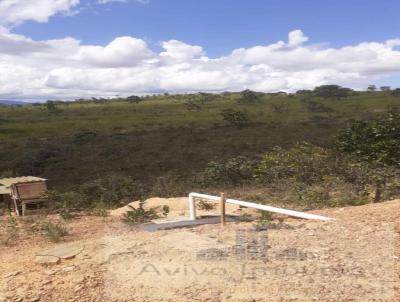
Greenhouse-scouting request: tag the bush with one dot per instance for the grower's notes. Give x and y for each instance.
(248, 97)
(96, 196)
(113, 190)
(165, 210)
(9, 230)
(280, 108)
(373, 141)
(170, 185)
(235, 118)
(304, 163)
(100, 209)
(55, 232)
(375, 150)
(205, 205)
(65, 203)
(139, 214)
(234, 171)
(192, 106)
(317, 107)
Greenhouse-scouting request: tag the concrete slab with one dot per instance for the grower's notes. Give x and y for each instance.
(184, 222)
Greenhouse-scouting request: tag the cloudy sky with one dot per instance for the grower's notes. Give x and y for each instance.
(63, 49)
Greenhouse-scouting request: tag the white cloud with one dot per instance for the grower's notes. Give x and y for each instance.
(179, 51)
(14, 12)
(296, 38)
(67, 68)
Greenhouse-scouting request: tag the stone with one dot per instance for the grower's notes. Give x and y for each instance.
(68, 268)
(62, 251)
(47, 259)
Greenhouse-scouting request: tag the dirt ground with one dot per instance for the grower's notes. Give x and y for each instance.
(353, 258)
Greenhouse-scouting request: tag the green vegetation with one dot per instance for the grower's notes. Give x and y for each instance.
(55, 232)
(140, 214)
(8, 229)
(103, 153)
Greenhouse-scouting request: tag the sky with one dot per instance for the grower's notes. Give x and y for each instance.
(66, 49)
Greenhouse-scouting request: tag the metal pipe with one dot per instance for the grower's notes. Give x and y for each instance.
(192, 207)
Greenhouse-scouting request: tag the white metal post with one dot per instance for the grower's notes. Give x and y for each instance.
(192, 207)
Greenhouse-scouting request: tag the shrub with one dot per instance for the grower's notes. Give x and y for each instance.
(10, 230)
(100, 209)
(303, 163)
(165, 210)
(205, 205)
(373, 141)
(264, 221)
(375, 150)
(235, 118)
(280, 108)
(248, 97)
(317, 107)
(192, 106)
(112, 190)
(169, 185)
(65, 203)
(55, 232)
(139, 214)
(234, 171)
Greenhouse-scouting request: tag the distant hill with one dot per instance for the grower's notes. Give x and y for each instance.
(162, 139)
(11, 103)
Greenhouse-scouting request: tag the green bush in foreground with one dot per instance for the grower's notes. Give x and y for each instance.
(55, 232)
(139, 214)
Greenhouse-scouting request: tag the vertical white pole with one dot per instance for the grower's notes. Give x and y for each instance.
(192, 207)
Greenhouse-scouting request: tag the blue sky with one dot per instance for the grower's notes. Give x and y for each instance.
(65, 49)
(222, 25)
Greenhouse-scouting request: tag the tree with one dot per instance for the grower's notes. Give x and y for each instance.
(396, 92)
(371, 88)
(134, 99)
(375, 144)
(50, 105)
(248, 96)
(332, 91)
(384, 88)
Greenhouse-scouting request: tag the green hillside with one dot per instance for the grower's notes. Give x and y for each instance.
(169, 136)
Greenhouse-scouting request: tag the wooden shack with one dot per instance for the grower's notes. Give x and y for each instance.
(20, 192)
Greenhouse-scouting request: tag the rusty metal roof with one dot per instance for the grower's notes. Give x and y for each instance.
(7, 182)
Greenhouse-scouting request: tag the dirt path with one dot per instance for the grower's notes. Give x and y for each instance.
(356, 258)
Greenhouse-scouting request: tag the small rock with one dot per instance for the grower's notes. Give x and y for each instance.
(12, 274)
(68, 268)
(46, 282)
(47, 259)
(51, 272)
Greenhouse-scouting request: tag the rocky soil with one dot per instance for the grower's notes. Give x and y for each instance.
(353, 258)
